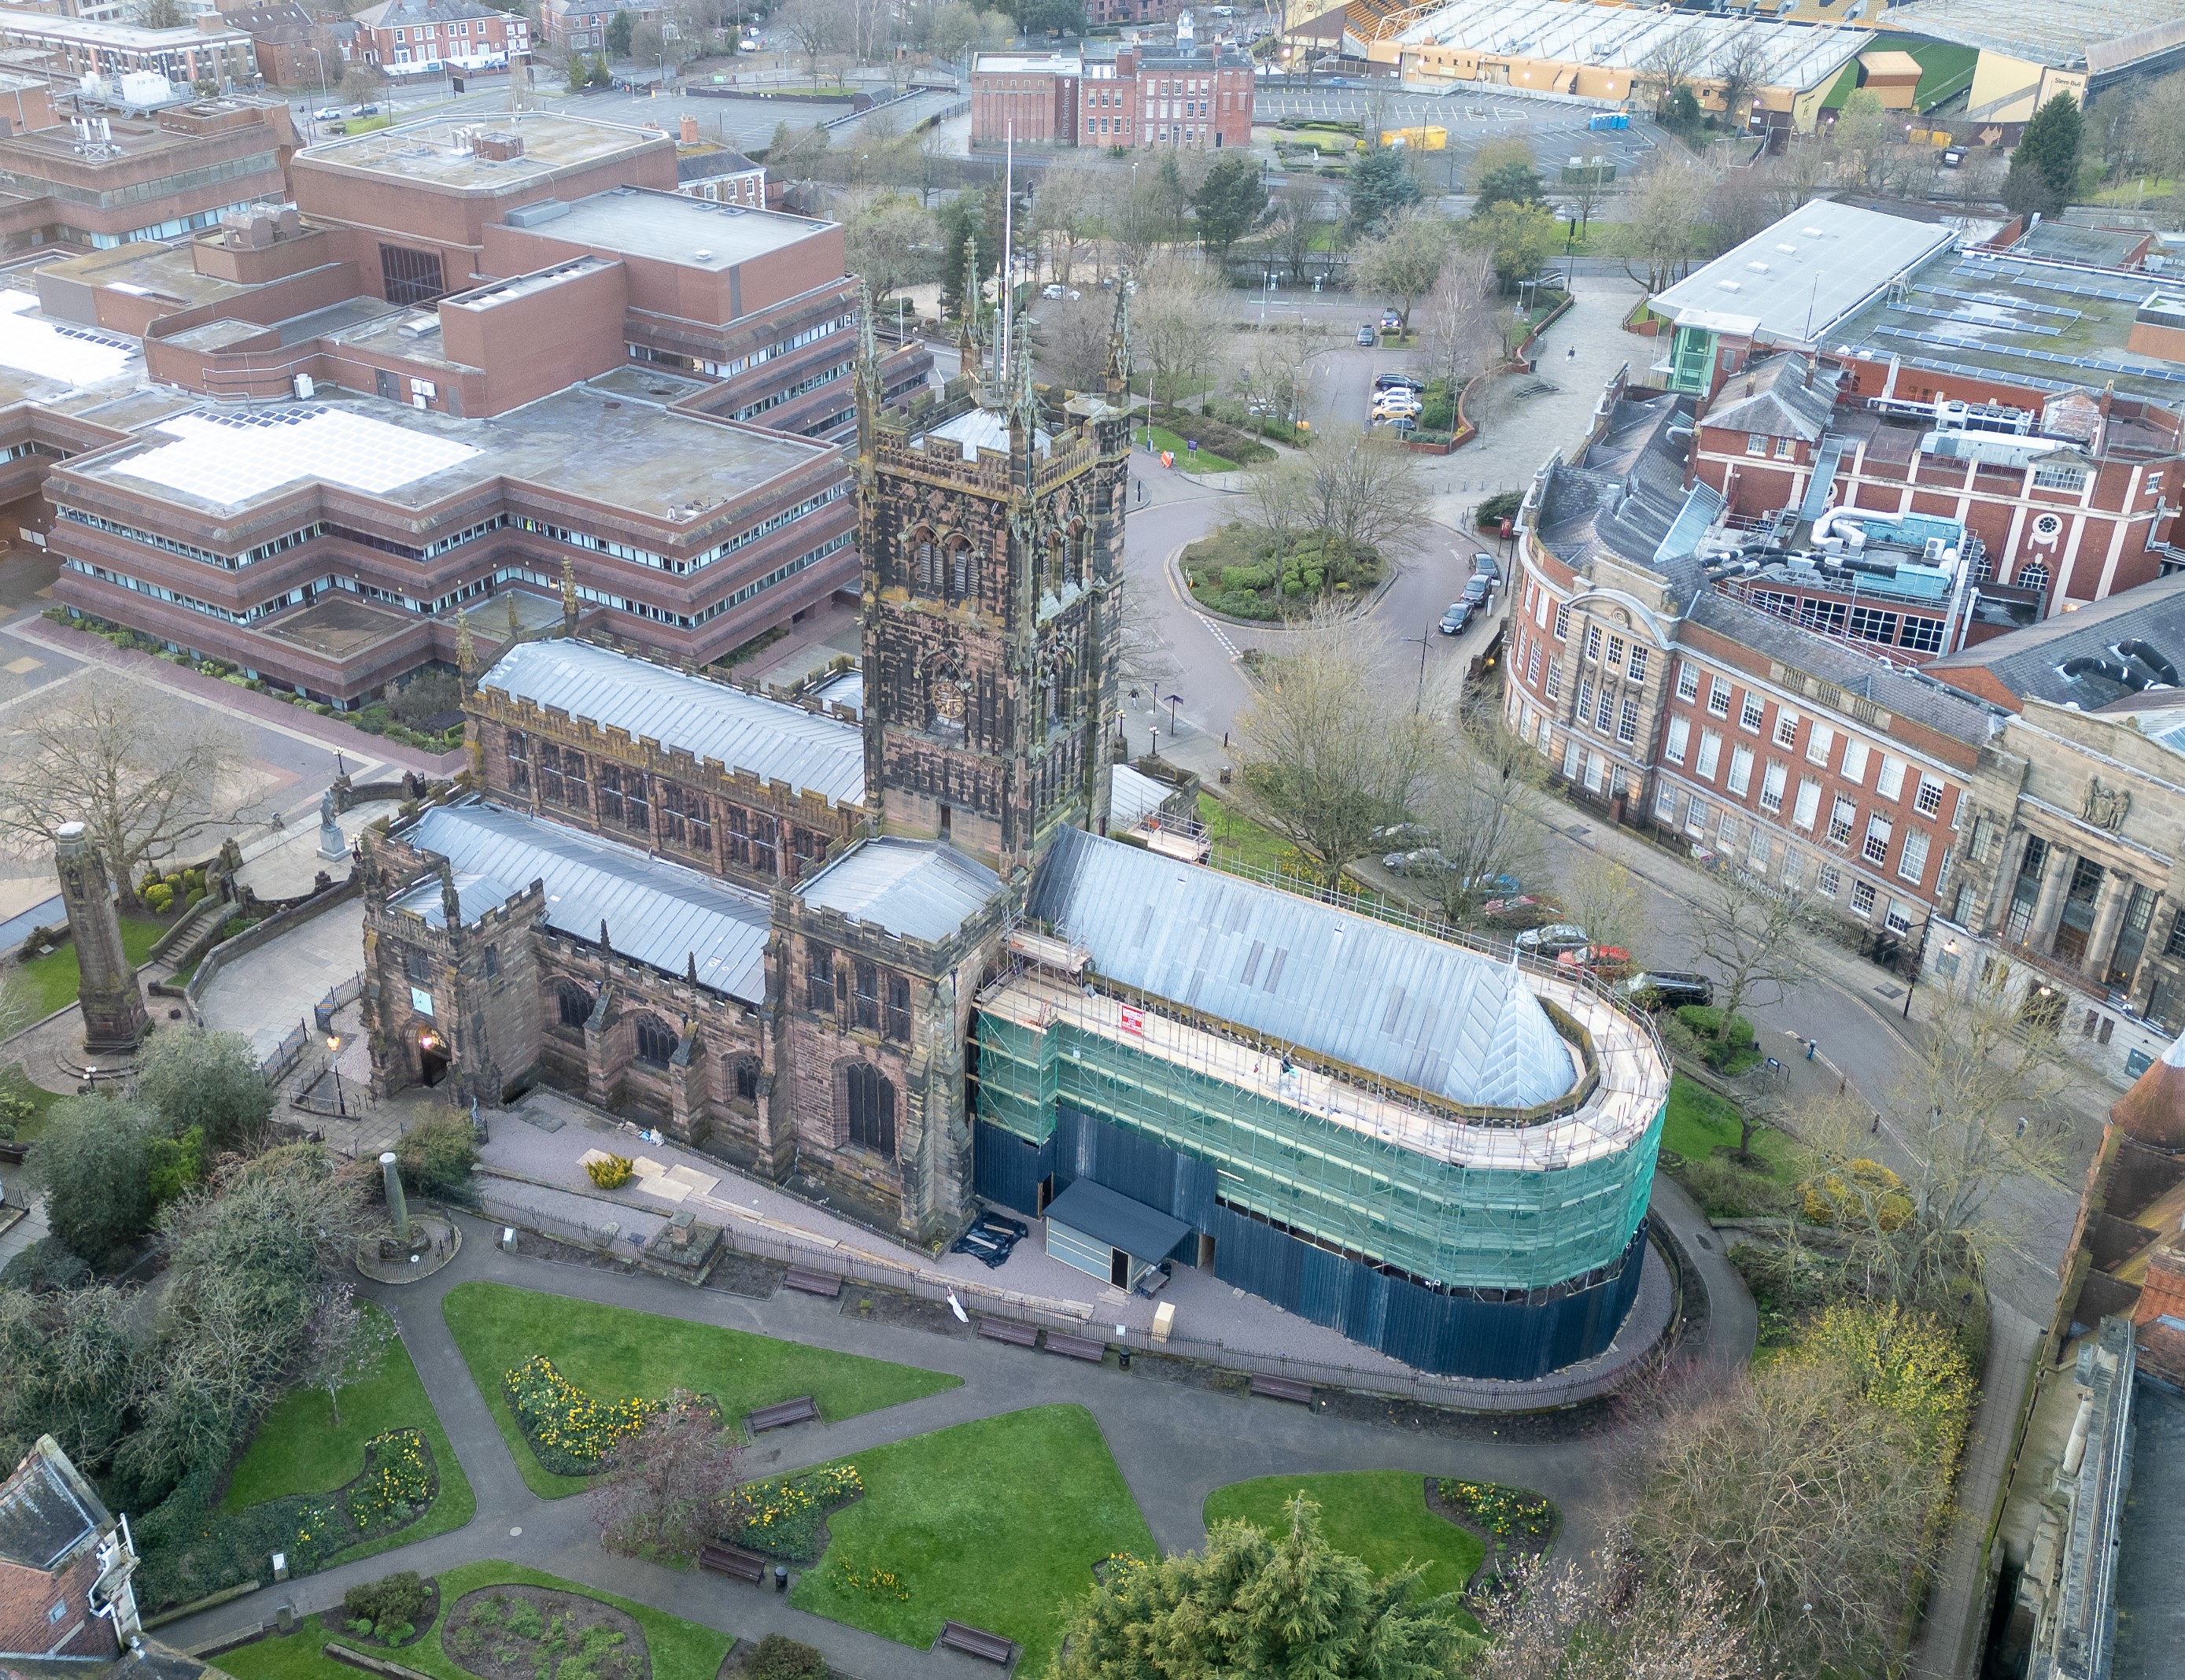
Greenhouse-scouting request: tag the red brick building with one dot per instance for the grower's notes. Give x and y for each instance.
(64, 1565)
(407, 37)
(1193, 97)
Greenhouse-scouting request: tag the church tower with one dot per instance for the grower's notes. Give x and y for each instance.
(991, 532)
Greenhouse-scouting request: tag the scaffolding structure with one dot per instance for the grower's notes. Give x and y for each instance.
(1514, 1201)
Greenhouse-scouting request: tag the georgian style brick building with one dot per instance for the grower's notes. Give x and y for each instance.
(1186, 96)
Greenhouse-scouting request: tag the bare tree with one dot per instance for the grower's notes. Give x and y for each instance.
(1758, 941)
(1405, 259)
(672, 1488)
(1741, 67)
(1603, 896)
(1797, 176)
(1303, 218)
(818, 27)
(1176, 329)
(1145, 663)
(1668, 206)
(1365, 491)
(1481, 799)
(145, 778)
(1072, 193)
(1667, 69)
(344, 1343)
(1618, 1620)
(1331, 751)
(1280, 372)
(891, 242)
(1458, 324)
(1073, 339)
(1278, 504)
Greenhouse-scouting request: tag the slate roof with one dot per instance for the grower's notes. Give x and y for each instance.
(916, 889)
(658, 912)
(771, 739)
(1394, 1003)
(2092, 657)
(1776, 397)
(47, 1510)
(1627, 494)
(392, 14)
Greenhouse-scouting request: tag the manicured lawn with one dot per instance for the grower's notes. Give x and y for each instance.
(996, 1523)
(1186, 458)
(1252, 842)
(300, 1448)
(50, 983)
(1378, 1516)
(680, 1649)
(1699, 1123)
(15, 1083)
(613, 1353)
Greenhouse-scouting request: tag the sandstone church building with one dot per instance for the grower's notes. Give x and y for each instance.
(891, 959)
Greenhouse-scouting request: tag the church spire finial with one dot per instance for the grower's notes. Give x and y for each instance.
(967, 336)
(568, 596)
(467, 659)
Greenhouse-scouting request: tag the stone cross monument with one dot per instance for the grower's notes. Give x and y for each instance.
(114, 1016)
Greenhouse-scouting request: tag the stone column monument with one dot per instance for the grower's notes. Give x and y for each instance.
(114, 1016)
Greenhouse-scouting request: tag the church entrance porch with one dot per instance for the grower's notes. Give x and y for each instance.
(432, 1060)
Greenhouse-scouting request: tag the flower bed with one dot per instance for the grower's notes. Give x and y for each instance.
(787, 1519)
(535, 1633)
(397, 1483)
(570, 1432)
(1505, 1515)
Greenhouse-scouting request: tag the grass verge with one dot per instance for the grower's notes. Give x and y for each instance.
(615, 1354)
(1378, 1516)
(15, 1083)
(52, 982)
(680, 1649)
(1195, 461)
(300, 1448)
(996, 1523)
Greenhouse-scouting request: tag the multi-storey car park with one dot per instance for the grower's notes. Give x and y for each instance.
(466, 363)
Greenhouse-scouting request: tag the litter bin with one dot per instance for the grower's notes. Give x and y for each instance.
(781, 1577)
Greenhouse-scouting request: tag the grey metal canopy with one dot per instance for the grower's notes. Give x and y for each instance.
(1107, 1216)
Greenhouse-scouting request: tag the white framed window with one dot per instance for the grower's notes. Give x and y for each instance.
(1808, 805)
(1696, 816)
(1533, 665)
(1861, 897)
(1928, 802)
(1756, 444)
(1841, 816)
(1771, 787)
(1604, 708)
(1584, 698)
(1555, 681)
(1593, 643)
(1627, 724)
(1819, 742)
(1914, 863)
(1665, 801)
(1786, 729)
(1890, 784)
(1541, 610)
(1688, 681)
(1786, 448)
(1570, 758)
(1710, 754)
(1854, 761)
(1896, 918)
(1752, 714)
(2070, 478)
(1680, 733)
(1562, 621)
(1741, 769)
(1875, 849)
(1756, 853)
(1615, 650)
(1730, 835)
(1828, 881)
(1719, 697)
(1637, 669)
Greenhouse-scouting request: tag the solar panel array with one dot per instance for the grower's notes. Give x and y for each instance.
(230, 460)
(2021, 305)
(1975, 321)
(2044, 280)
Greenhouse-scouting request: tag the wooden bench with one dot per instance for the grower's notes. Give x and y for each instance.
(1009, 1330)
(13, 1153)
(1281, 1388)
(979, 1643)
(802, 1409)
(1076, 1347)
(734, 1562)
(812, 1283)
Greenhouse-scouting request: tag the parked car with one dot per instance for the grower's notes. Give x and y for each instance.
(1458, 616)
(1554, 939)
(1367, 335)
(366, 110)
(1477, 588)
(1655, 988)
(1050, 292)
(1390, 321)
(1403, 834)
(1398, 382)
(1390, 403)
(326, 113)
(1484, 565)
(1496, 886)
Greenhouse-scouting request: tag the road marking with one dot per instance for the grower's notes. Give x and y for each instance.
(1216, 631)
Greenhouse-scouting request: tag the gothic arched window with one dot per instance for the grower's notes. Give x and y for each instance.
(959, 568)
(655, 1041)
(869, 1099)
(746, 1079)
(573, 1003)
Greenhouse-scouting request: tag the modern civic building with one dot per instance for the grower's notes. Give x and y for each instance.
(468, 362)
(892, 957)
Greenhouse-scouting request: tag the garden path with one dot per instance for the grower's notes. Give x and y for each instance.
(1174, 1443)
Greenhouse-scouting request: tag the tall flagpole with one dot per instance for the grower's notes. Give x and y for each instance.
(1009, 241)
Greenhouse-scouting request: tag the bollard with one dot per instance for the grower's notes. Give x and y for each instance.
(397, 1209)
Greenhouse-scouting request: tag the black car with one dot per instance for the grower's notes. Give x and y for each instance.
(1484, 565)
(1458, 616)
(1656, 989)
(1398, 382)
(1477, 587)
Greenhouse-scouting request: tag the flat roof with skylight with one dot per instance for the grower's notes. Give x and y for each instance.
(438, 151)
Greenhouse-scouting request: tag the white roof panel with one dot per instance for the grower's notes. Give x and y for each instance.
(230, 460)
